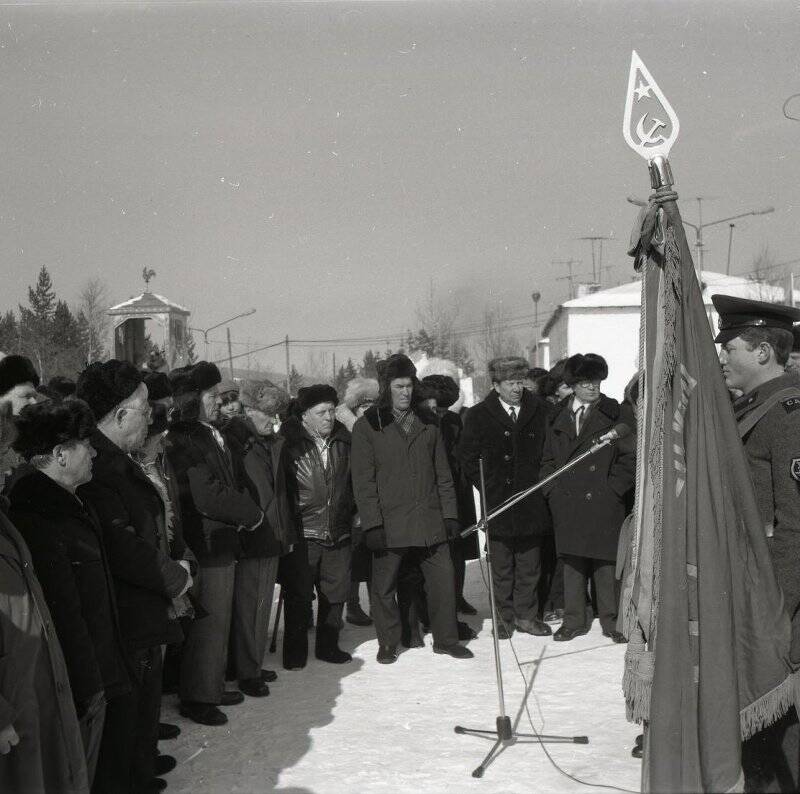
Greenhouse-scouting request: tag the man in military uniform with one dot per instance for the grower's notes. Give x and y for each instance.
(756, 340)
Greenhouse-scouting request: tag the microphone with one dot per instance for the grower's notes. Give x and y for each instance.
(615, 434)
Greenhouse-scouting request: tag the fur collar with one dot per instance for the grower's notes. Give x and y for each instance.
(380, 418)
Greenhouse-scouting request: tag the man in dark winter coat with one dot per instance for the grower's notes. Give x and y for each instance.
(407, 504)
(65, 542)
(588, 501)
(320, 486)
(146, 578)
(507, 430)
(260, 464)
(215, 507)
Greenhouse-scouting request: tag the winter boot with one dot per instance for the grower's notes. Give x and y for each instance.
(327, 646)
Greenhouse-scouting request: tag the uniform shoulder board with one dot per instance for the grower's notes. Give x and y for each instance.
(791, 403)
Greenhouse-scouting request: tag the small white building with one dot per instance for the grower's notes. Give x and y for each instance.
(607, 322)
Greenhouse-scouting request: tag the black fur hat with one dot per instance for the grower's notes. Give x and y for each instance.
(205, 375)
(309, 396)
(398, 365)
(64, 386)
(158, 385)
(45, 425)
(580, 368)
(15, 370)
(103, 385)
(445, 389)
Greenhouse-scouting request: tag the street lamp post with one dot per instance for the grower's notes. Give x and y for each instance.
(698, 228)
(205, 331)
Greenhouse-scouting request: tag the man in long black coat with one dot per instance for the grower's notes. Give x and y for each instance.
(66, 545)
(588, 502)
(146, 578)
(507, 429)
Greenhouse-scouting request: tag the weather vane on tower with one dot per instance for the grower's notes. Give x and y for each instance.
(147, 274)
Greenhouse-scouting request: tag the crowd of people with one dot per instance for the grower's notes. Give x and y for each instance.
(148, 516)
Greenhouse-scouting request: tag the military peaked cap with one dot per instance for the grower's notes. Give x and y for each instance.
(737, 315)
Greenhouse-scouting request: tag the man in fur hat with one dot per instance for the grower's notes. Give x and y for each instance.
(407, 503)
(320, 485)
(18, 382)
(146, 577)
(588, 502)
(215, 507)
(507, 430)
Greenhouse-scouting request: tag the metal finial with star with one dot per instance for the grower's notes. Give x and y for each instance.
(650, 126)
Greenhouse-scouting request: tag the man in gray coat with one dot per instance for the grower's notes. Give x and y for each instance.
(406, 500)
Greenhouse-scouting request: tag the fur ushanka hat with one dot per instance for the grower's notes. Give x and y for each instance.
(15, 370)
(359, 391)
(309, 396)
(398, 365)
(445, 389)
(579, 368)
(158, 385)
(103, 385)
(508, 368)
(45, 425)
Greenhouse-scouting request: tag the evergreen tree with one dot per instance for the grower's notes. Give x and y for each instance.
(191, 353)
(295, 380)
(9, 333)
(369, 367)
(42, 298)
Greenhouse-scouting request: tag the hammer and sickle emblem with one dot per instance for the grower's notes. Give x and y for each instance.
(650, 138)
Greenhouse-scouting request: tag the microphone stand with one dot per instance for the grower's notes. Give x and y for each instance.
(518, 497)
(504, 731)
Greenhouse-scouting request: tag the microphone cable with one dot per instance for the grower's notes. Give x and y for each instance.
(542, 743)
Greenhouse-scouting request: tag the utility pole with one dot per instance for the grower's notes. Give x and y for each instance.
(230, 350)
(334, 367)
(288, 367)
(730, 246)
(596, 258)
(570, 277)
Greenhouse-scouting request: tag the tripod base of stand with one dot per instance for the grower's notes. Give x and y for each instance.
(506, 736)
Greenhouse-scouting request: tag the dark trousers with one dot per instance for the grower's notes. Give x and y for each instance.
(437, 570)
(771, 758)
(205, 654)
(91, 727)
(459, 567)
(516, 568)
(577, 572)
(130, 734)
(551, 582)
(253, 588)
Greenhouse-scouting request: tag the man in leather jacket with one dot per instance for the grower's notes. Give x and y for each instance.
(320, 487)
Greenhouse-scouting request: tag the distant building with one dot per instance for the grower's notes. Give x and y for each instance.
(148, 314)
(606, 321)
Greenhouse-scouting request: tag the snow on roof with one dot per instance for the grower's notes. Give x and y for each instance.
(630, 294)
(147, 301)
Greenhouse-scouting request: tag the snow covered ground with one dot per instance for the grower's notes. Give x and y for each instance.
(364, 727)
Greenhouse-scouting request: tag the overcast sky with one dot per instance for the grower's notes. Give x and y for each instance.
(322, 162)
